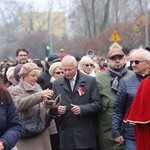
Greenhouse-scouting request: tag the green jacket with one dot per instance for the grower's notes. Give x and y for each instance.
(107, 99)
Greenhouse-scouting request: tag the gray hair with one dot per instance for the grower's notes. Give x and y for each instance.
(70, 58)
(145, 53)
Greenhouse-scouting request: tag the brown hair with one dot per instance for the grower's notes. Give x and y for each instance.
(20, 50)
(4, 94)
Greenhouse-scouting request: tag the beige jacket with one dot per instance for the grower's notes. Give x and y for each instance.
(27, 100)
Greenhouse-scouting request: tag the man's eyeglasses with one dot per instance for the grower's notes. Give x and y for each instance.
(59, 72)
(136, 61)
(87, 65)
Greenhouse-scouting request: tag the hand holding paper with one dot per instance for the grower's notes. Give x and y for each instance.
(53, 103)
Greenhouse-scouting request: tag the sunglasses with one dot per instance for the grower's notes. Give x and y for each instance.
(116, 57)
(87, 65)
(59, 72)
(136, 61)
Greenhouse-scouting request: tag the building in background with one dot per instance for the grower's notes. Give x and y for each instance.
(53, 22)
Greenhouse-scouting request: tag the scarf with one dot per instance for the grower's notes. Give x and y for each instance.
(116, 75)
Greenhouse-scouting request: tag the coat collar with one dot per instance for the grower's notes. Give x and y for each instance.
(80, 80)
(28, 87)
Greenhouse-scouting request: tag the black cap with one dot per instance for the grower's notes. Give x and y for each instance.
(53, 57)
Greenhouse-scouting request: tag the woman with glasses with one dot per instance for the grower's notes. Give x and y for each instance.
(88, 66)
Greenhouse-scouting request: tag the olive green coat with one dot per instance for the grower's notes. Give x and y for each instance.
(106, 140)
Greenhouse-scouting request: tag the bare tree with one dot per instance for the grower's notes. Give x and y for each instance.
(106, 15)
(9, 18)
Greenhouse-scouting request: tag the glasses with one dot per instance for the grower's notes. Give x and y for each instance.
(136, 61)
(119, 57)
(59, 72)
(87, 65)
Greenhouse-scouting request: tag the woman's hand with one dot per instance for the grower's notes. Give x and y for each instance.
(47, 93)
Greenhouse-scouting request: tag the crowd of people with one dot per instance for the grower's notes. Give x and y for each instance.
(99, 101)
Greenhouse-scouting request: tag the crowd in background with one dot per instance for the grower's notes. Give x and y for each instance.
(96, 95)
(99, 64)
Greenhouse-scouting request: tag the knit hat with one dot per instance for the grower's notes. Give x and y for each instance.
(28, 68)
(10, 72)
(16, 71)
(114, 52)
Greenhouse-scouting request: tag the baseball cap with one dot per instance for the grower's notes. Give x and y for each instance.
(115, 52)
(53, 57)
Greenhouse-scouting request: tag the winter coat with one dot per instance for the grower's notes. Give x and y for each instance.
(105, 116)
(44, 78)
(78, 131)
(125, 95)
(10, 126)
(27, 100)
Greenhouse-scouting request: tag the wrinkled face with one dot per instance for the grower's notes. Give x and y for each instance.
(139, 64)
(58, 72)
(69, 69)
(22, 57)
(116, 62)
(31, 78)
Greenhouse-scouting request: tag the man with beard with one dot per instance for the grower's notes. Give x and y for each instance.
(108, 85)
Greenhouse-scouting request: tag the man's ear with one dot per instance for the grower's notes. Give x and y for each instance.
(148, 62)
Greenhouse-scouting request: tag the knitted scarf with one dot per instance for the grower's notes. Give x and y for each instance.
(116, 75)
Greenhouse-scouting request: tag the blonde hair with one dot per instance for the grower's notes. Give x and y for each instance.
(83, 60)
(53, 67)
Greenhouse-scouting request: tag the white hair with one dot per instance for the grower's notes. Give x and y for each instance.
(145, 53)
(70, 58)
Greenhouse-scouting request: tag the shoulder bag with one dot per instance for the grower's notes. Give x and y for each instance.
(32, 125)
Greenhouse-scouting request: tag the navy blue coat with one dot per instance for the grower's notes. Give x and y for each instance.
(10, 126)
(124, 97)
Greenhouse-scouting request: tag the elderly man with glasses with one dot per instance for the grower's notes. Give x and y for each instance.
(108, 82)
(140, 63)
